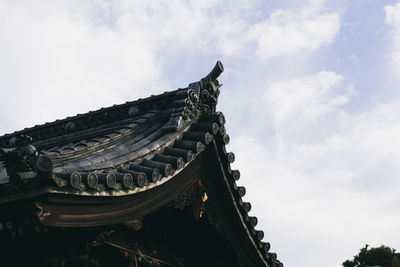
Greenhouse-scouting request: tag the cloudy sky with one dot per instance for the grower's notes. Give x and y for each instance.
(310, 95)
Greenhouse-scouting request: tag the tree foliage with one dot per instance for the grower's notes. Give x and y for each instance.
(381, 256)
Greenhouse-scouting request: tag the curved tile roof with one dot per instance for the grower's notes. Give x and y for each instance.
(149, 146)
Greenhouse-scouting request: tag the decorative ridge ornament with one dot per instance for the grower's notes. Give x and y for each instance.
(197, 99)
(208, 89)
(23, 160)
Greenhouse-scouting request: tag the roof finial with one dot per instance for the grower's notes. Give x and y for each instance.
(216, 71)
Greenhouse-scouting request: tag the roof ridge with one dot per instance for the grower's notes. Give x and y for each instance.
(87, 114)
(206, 89)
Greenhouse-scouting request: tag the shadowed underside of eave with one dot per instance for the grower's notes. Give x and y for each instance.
(63, 210)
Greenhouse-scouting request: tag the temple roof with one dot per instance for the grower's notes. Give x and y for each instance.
(146, 152)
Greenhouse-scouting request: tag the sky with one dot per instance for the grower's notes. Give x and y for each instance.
(310, 95)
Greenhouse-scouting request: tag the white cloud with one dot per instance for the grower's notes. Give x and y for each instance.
(326, 180)
(90, 54)
(309, 97)
(56, 63)
(392, 13)
(392, 19)
(67, 57)
(288, 32)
